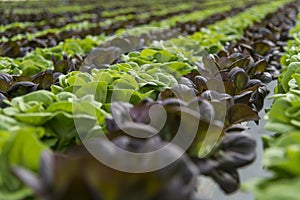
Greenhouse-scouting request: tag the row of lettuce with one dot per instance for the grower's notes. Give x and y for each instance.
(156, 8)
(20, 44)
(212, 37)
(88, 19)
(34, 120)
(32, 7)
(70, 46)
(35, 13)
(282, 150)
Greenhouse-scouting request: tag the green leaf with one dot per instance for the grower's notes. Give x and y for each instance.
(41, 96)
(98, 89)
(125, 82)
(288, 75)
(277, 113)
(24, 149)
(163, 56)
(21, 148)
(275, 189)
(60, 106)
(297, 78)
(35, 119)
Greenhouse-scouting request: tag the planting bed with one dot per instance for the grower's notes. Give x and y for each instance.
(94, 104)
